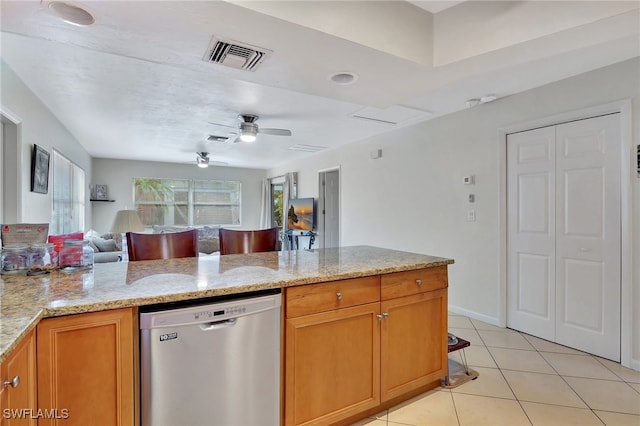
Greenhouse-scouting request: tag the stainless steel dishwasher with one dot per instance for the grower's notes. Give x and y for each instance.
(212, 364)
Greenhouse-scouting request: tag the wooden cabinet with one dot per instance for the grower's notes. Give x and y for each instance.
(18, 385)
(333, 365)
(351, 345)
(86, 366)
(413, 342)
(414, 329)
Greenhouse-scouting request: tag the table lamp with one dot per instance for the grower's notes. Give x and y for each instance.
(126, 221)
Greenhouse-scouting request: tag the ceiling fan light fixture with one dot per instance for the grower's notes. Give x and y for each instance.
(202, 160)
(248, 132)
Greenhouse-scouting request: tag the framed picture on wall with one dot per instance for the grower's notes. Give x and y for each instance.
(39, 170)
(102, 192)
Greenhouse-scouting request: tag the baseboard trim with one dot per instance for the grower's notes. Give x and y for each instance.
(471, 314)
(634, 365)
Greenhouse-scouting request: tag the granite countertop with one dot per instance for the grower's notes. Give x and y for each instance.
(25, 300)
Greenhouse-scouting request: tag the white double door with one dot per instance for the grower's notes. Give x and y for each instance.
(563, 227)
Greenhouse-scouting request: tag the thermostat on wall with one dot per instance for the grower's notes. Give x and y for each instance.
(468, 180)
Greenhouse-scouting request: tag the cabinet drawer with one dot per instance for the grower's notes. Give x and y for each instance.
(400, 284)
(322, 297)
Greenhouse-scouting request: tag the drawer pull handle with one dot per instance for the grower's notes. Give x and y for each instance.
(339, 296)
(15, 382)
(419, 282)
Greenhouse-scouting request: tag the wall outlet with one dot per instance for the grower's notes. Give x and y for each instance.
(471, 215)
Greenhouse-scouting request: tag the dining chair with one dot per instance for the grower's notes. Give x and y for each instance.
(249, 241)
(162, 246)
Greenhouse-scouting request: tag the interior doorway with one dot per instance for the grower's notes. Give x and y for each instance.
(564, 234)
(11, 161)
(329, 208)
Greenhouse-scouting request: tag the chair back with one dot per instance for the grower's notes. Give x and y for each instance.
(162, 246)
(235, 242)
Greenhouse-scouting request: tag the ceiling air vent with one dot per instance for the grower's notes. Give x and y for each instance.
(233, 54)
(216, 138)
(306, 148)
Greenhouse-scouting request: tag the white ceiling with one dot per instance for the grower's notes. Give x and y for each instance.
(134, 85)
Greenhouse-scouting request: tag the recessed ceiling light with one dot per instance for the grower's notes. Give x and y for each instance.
(343, 78)
(72, 14)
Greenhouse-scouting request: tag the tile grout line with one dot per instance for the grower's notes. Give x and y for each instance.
(503, 376)
(564, 380)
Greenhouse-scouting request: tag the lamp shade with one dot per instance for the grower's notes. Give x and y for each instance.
(127, 221)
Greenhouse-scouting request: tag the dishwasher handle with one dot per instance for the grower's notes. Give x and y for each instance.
(215, 325)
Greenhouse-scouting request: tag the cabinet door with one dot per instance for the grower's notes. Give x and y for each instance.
(332, 365)
(19, 403)
(414, 342)
(86, 367)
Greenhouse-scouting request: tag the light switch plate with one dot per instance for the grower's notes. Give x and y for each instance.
(471, 215)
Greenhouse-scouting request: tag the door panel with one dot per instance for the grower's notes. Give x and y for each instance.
(533, 285)
(563, 225)
(582, 296)
(531, 232)
(329, 214)
(588, 241)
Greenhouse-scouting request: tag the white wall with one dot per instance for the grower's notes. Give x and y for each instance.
(37, 125)
(413, 198)
(119, 174)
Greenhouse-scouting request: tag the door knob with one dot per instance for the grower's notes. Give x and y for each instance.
(15, 382)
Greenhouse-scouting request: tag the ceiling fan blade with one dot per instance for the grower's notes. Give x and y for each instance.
(277, 132)
(222, 125)
(236, 139)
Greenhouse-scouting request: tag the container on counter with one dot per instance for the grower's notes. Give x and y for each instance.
(43, 257)
(76, 254)
(14, 259)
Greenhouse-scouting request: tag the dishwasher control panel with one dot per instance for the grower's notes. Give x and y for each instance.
(215, 314)
(207, 313)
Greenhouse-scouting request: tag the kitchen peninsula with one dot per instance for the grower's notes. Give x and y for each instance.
(367, 284)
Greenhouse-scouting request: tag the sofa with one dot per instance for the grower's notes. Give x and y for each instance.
(106, 247)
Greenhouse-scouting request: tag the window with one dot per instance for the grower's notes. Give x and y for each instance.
(175, 202)
(68, 207)
(277, 204)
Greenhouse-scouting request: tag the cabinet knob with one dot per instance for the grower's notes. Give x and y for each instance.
(385, 315)
(379, 317)
(419, 282)
(15, 382)
(339, 296)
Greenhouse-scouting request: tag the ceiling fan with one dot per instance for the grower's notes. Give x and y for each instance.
(248, 129)
(203, 160)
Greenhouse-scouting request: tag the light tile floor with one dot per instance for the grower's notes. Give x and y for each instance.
(523, 380)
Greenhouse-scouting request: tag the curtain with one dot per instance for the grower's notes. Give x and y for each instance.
(68, 196)
(265, 206)
(289, 191)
